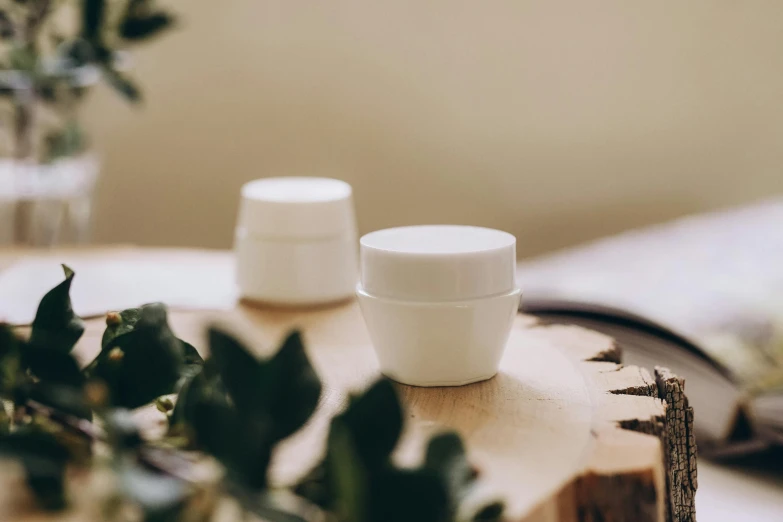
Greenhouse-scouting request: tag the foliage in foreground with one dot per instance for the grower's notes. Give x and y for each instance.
(232, 407)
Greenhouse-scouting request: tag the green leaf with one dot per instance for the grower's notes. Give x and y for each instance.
(55, 324)
(290, 388)
(7, 29)
(191, 355)
(190, 394)
(375, 421)
(410, 495)
(446, 458)
(5, 423)
(9, 342)
(263, 402)
(314, 486)
(203, 386)
(239, 369)
(140, 28)
(492, 512)
(445, 451)
(124, 322)
(216, 424)
(241, 443)
(92, 19)
(348, 482)
(143, 364)
(284, 389)
(61, 398)
(48, 488)
(52, 365)
(123, 85)
(193, 362)
(44, 459)
(119, 323)
(9, 359)
(77, 52)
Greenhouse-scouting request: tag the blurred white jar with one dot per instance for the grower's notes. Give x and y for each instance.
(295, 241)
(439, 301)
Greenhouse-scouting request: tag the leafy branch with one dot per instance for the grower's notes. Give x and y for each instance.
(232, 408)
(46, 67)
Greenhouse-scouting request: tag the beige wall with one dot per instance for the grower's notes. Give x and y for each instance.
(558, 121)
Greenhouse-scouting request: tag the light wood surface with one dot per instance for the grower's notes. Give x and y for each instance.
(562, 433)
(545, 431)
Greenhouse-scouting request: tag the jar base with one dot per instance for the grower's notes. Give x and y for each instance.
(264, 304)
(435, 384)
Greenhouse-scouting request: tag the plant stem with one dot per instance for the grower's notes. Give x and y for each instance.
(26, 99)
(168, 462)
(24, 111)
(82, 426)
(24, 116)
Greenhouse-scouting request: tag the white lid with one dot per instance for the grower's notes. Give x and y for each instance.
(438, 263)
(296, 208)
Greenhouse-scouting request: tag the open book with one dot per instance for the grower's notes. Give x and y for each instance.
(703, 296)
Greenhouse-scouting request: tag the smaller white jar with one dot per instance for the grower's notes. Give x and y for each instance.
(439, 301)
(295, 241)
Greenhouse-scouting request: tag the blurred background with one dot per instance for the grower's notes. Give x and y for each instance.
(558, 121)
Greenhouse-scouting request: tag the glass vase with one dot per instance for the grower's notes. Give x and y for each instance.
(46, 205)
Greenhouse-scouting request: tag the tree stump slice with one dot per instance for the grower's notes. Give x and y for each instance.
(564, 432)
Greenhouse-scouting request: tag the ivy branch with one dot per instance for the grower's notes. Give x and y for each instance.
(233, 409)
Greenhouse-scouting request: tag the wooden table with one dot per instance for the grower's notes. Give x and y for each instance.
(564, 432)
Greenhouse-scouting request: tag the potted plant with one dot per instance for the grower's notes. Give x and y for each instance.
(53, 53)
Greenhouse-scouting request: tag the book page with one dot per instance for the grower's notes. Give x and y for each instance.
(715, 279)
(115, 279)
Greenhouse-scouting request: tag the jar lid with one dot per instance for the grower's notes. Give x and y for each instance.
(438, 263)
(296, 208)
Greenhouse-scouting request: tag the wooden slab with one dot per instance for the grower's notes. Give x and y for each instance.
(548, 432)
(563, 433)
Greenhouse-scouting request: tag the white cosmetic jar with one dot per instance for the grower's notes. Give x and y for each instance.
(295, 241)
(438, 301)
